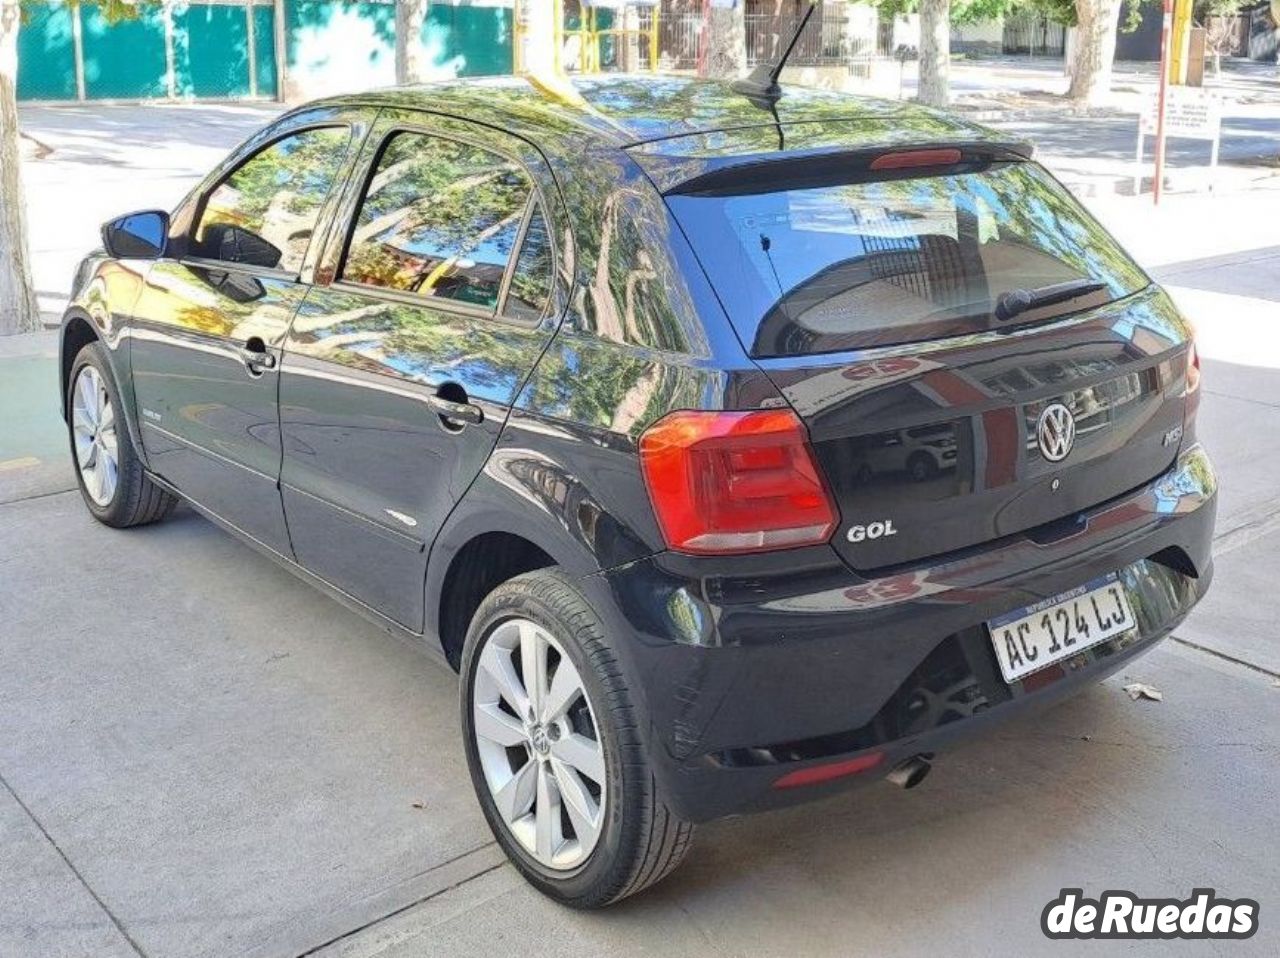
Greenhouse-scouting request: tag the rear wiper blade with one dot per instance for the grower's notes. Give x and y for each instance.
(1018, 301)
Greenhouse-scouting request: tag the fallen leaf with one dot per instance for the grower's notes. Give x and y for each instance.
(1140, 690)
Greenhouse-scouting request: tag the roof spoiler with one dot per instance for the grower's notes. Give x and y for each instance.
(736, 175)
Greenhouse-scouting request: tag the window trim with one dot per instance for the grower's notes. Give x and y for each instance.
(504, 292)
(459, 307)
(247, 269)
(202, 203)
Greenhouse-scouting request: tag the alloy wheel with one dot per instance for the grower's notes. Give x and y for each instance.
(539, 744)
(93, 429)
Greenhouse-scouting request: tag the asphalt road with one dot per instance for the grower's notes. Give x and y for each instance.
(201, 756)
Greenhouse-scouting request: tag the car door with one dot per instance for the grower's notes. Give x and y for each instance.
(208, 328)
(399, 372)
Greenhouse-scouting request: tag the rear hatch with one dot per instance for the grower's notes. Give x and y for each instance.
(928, 325)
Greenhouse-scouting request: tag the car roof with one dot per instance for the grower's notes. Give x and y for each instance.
(674, 126)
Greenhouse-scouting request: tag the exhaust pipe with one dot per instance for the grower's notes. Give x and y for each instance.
(910, 773)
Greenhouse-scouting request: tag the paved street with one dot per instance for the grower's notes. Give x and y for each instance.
(1093, 151)
(114, 159)
(202, 756)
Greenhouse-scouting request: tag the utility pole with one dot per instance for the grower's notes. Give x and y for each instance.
(1166, 30)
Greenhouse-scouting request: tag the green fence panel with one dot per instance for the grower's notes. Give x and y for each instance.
(334, 46)
(125, 60)
(211, 51)
(264, 42)
(471, 41)
(351, 45)
(329, 44)
(46, 55)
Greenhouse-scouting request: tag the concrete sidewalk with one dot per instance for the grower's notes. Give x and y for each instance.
(202, 757)
(210, 759)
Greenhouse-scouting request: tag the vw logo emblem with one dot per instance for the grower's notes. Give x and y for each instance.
(541, 741)
(1056, 432)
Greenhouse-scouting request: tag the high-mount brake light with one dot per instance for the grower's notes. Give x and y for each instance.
(910, 159)
(733, 482)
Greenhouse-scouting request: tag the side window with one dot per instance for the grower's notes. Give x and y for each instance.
(440, 219)
(264, 213)
(531, 280)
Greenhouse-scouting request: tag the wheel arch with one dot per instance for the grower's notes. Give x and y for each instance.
(78, 331)
(481, 564)
(508, 524)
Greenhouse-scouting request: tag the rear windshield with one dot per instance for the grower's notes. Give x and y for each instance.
(827, 268)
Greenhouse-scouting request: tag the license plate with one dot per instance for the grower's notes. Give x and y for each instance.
(1027, 640)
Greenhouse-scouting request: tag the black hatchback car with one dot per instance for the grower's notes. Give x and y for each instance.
(733, 452)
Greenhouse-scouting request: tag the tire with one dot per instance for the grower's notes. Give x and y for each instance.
(116, 491)
(637, 840)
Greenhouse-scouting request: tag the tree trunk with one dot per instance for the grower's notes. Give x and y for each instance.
(726, 42)
(935, 52)
(631, 39)
(1095, 51)
(537, 53)
(19, 311)
(410, 15)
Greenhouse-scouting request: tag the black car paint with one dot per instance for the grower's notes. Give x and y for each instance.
(746, 665)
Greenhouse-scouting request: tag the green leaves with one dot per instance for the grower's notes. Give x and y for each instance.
(113, 10)
(974, 11)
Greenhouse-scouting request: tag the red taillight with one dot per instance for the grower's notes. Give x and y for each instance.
(909, 159)
(724, 482)
(817, 774)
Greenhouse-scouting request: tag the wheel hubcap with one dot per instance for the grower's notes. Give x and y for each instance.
(538, 744)
(93, 430)
(541, 741)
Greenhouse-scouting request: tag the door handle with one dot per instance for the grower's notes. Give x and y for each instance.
(255, 355)
(457, 413)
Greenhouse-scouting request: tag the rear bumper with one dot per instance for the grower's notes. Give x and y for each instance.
(751, 668)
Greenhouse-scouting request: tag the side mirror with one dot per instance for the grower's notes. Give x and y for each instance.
(137, 236)
(232, 244)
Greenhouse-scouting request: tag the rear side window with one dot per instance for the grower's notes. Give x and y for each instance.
(265, 212)
(440, 218)
(843, 266)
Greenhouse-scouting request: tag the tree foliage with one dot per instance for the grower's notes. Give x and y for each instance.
(1058, 11)
(113, 11)
(1219, 8)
